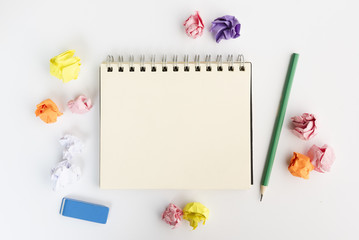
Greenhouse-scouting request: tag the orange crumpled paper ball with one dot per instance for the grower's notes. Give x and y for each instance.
(300, 165)
(48, 111)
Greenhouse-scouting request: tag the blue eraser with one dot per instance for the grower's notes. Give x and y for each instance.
(84, 210)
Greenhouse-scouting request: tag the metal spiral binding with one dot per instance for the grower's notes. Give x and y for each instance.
(132, 59)
(153, 63)
(109, 61)
(197, 67)
(175, 63)
(142, 64)
(219, 63)
(240, 59)
(164, 63)
(230, 63)
(120, 64)
(208, 63)
(186, 63)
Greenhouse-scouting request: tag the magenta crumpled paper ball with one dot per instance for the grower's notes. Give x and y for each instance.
(80, 105)
(172, 215)
(322, 158)
(194, 25)
(305, 126)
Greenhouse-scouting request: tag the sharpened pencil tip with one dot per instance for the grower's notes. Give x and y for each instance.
(261, 197)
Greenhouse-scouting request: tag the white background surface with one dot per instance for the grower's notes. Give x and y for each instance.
(323, 32)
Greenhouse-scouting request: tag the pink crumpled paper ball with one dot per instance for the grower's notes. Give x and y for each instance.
(80, 105)
(305, 126)
(322, 158)
(194, 25)
(172, 215)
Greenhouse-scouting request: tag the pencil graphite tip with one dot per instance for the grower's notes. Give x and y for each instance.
(261, 197)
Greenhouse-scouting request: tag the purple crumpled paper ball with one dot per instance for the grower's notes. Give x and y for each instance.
(225, 27)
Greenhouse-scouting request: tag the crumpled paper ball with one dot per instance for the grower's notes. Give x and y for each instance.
(225, 27)
(172, 215)
(195, 212)
(72, 145)
(47, 111)
(65, 66)
(80, 105)
(194, 25)
(321, 157)
(300, 166)
(65, 173)
(305, 126)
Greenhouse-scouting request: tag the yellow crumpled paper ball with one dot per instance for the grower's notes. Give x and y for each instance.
(194, 213)
(65, 66)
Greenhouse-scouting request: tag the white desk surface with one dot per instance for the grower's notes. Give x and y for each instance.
(326, 82)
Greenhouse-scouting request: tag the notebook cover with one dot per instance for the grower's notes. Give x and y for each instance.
(175, 130)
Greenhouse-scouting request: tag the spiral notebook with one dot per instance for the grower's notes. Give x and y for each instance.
(176, 125)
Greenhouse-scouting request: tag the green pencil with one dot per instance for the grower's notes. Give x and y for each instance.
(279, 123)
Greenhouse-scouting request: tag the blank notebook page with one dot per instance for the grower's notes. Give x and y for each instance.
(175, 130)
